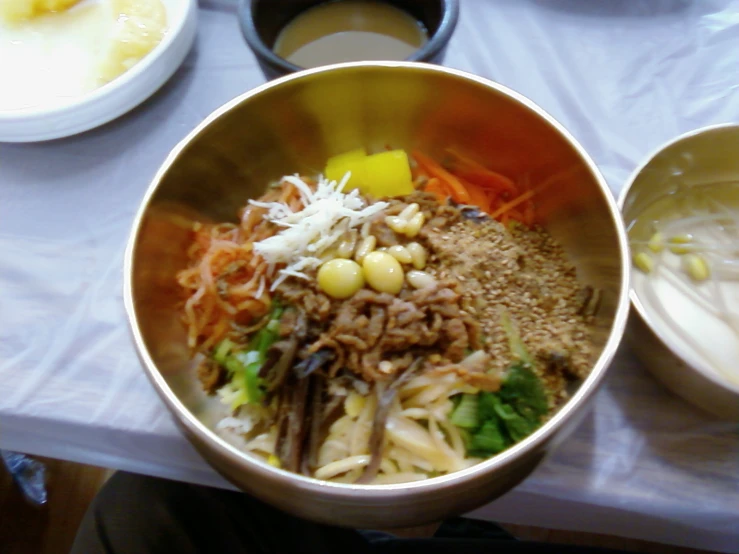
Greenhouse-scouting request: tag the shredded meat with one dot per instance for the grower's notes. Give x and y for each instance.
(426, 201)
(456, 335)
(375, 335)
(317, 304)
(288, 323)
(384, 235)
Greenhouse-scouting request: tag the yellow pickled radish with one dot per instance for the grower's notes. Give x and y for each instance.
(340, 278)
(338, 166)
(383, 272)
(388, 174)
(381, 174)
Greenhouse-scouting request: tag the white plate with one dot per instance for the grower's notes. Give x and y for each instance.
(112, 99)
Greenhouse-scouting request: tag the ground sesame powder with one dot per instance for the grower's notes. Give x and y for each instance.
(524, 273)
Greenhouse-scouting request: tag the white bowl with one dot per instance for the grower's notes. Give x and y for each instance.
(112, 99)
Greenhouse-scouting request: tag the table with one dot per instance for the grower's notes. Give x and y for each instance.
(623, 77)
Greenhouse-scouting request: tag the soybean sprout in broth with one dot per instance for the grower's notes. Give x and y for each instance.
(686, 248)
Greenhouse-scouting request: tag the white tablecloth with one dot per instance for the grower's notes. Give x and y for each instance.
(622, 76)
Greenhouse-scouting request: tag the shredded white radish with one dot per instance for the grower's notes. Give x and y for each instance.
(327, 214)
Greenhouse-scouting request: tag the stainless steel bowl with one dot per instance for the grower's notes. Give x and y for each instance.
(292, 125)
(702, 156)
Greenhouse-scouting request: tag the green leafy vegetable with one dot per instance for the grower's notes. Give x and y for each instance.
(503, 411)
(489, 439)
(487, 405)
(523, 390)
(465, 415)
(254, 392)
(222, 350)
(244, 365)
(233, 365)
(517, 426)
(491, 422)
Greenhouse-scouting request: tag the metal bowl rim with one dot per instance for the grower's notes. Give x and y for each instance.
(529, 445)
(703, 369)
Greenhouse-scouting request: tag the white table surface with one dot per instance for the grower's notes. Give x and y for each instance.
(622, 76)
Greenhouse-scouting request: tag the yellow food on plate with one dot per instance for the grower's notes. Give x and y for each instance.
(21, 10)
(140, 26)
(54, 51)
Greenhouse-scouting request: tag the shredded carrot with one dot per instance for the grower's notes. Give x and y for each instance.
(226, 281)
(436, 187)
(474, 172)
(433, 169)
(487, 179)
(494, 199)
(528, 209)
(516, 215)
(478, 196)
(528, 195)
(468, 182)
(529, 217)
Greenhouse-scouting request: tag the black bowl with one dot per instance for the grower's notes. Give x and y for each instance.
(262, 20)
